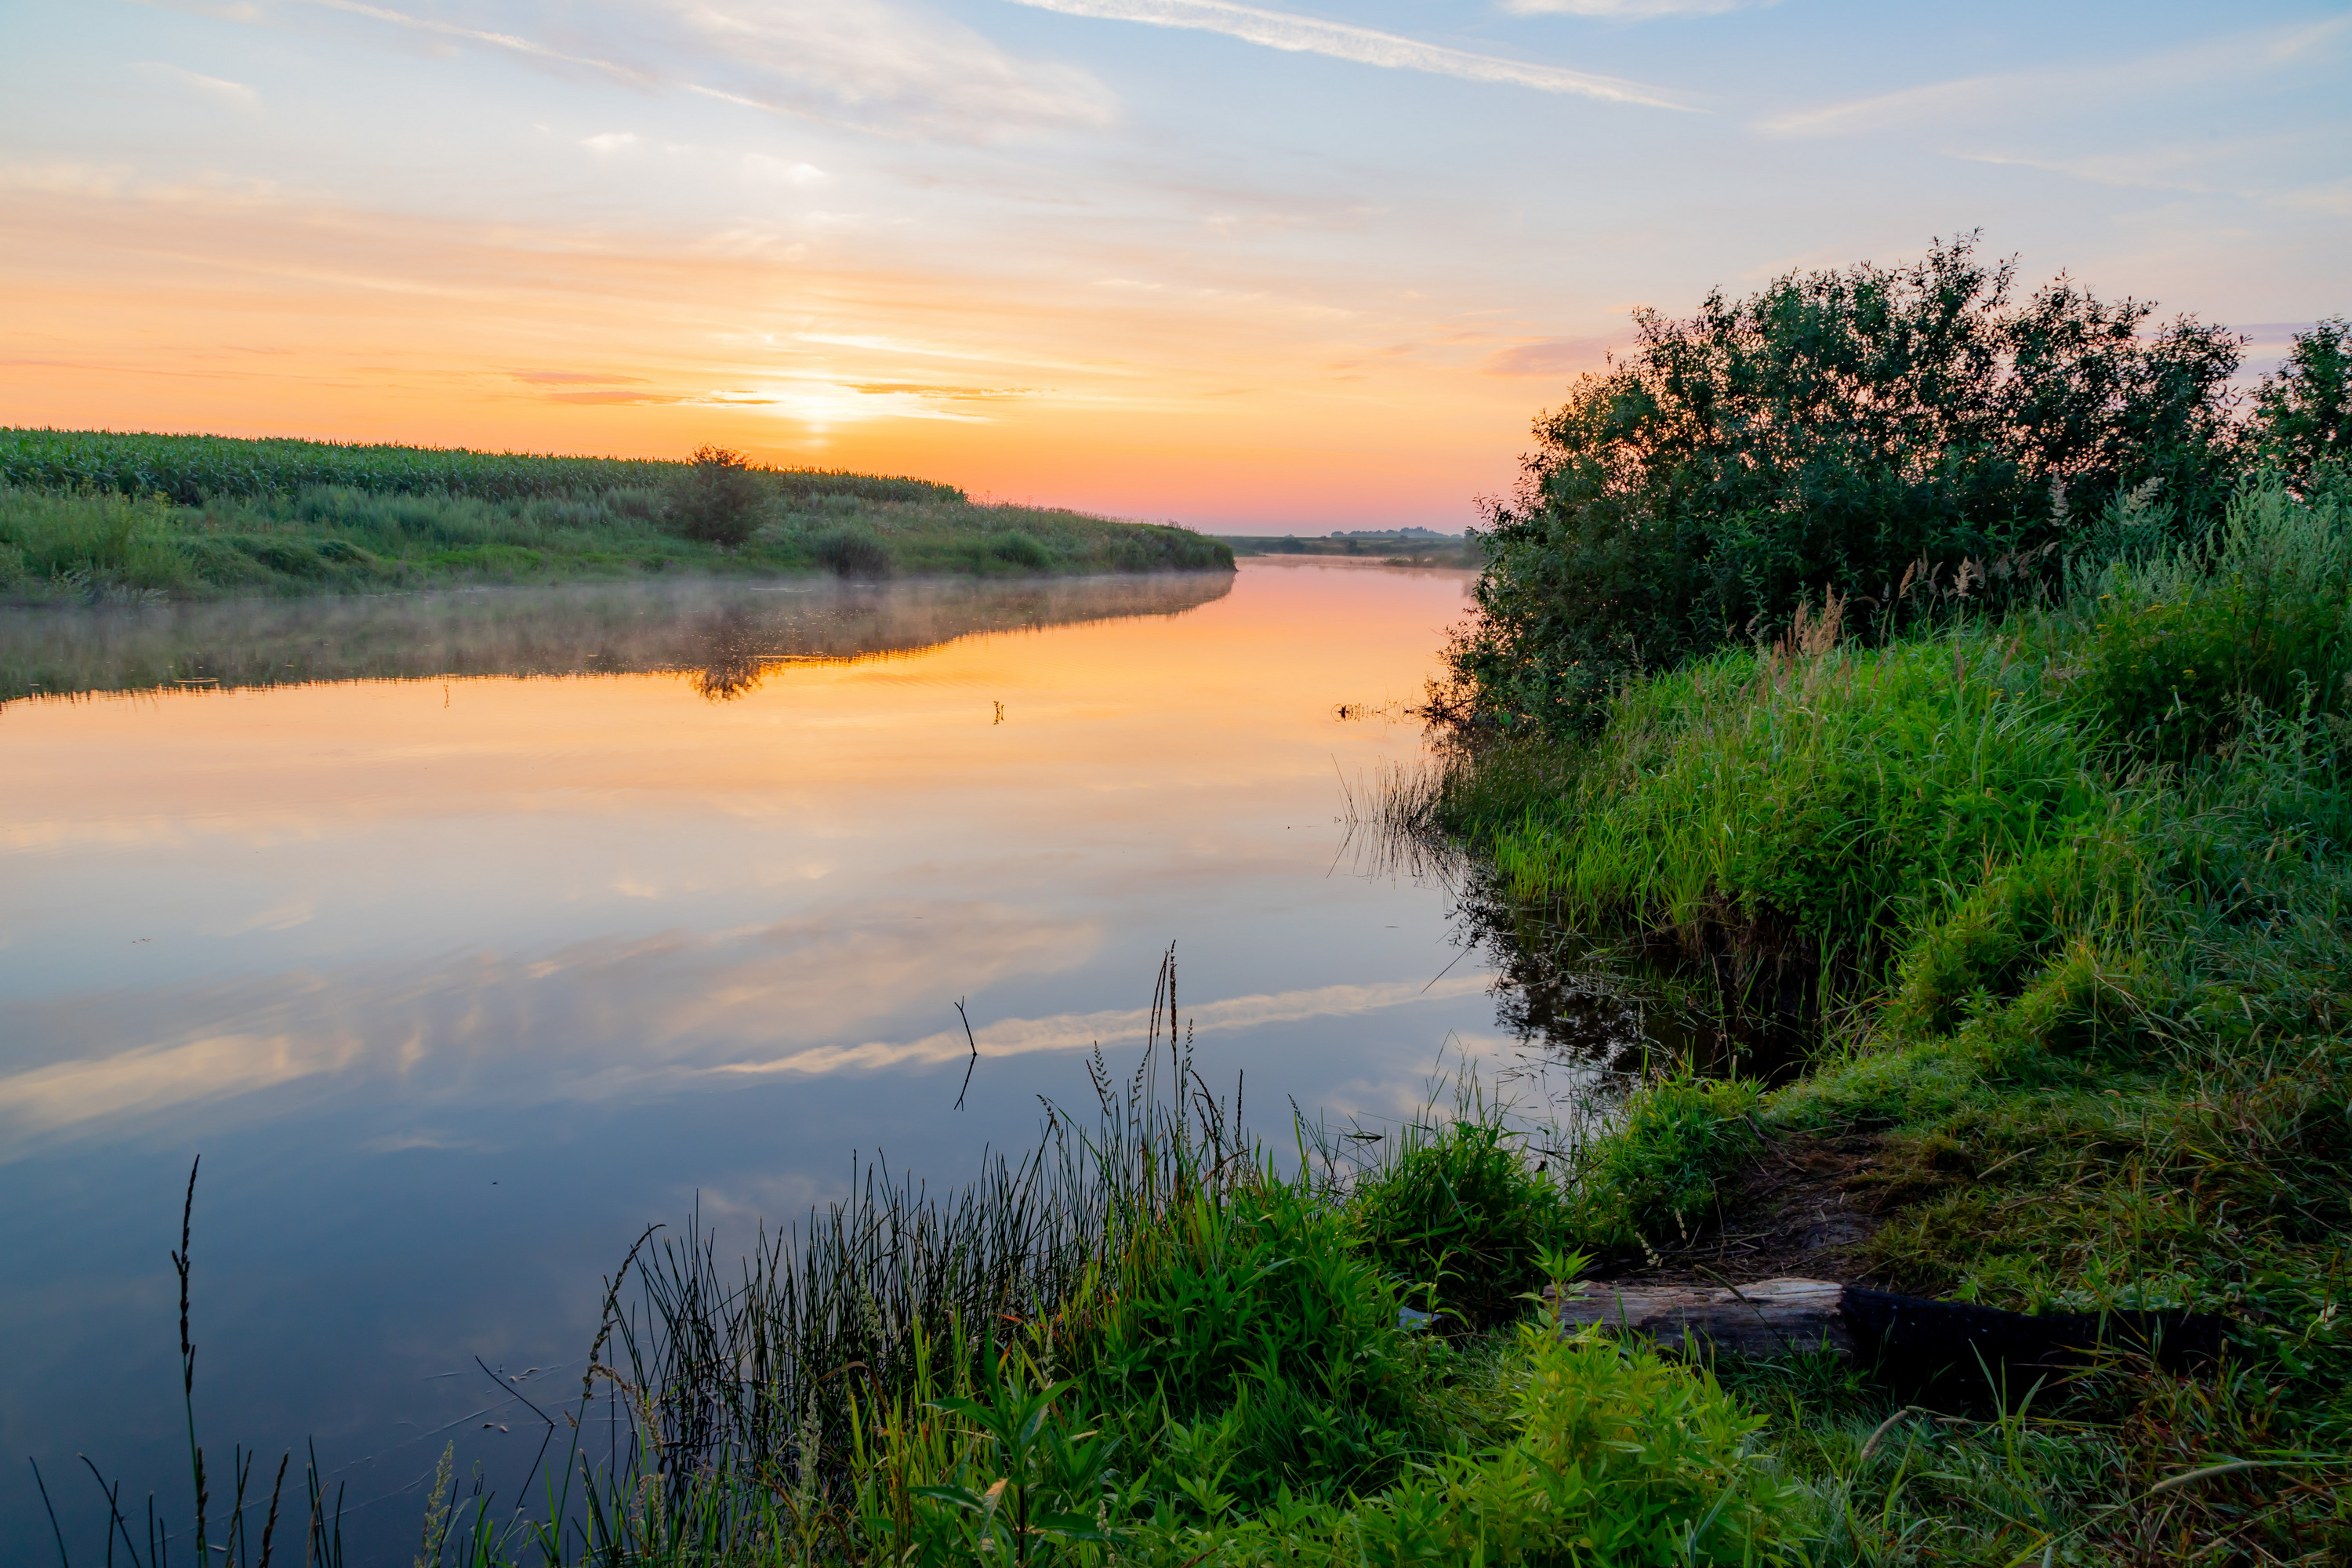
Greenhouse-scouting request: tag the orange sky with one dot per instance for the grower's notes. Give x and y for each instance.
(1238, 265)
(246, 314)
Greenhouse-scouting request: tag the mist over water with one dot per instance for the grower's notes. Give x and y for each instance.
(457, 979)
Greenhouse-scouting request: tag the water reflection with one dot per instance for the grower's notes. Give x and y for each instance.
(727, 633)
(457, 983)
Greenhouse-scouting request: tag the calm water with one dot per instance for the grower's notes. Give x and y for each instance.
(457, 983)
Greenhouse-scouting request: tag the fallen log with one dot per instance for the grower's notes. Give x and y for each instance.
(1908, 1340)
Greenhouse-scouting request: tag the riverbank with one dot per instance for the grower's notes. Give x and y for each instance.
(727, 633)
(1398, 546)
(2038, 921)
(99, 518)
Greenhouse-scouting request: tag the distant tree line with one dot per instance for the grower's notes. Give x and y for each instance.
(1838, 432)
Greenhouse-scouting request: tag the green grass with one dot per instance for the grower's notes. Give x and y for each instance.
(1395, 547)
(109, 520)
(1152, 1341)
(193, 469)
(2076, 930)
(1155, 1341)
(2069, 889)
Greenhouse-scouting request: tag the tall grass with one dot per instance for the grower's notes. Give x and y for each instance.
(1154, 1340)
(2065, 886)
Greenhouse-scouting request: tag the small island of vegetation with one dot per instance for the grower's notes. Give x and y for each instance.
(114, 518)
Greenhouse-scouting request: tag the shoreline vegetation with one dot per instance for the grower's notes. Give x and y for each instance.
(1394, 546)
(725, 634)
(1957, 691)
(101, 518)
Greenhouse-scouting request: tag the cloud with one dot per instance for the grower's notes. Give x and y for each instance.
(2198, 68)
(781, 171)
(1548, 356)
(1364, 45)
(1628, 10)
(868, 56)
(234, 94)
(512, 43)
(862, 60)
(575, 378)
(131, 1083)
(628, 399)
(1082, 1031)
(610, 142)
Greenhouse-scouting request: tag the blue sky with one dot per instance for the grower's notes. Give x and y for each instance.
(1245, 266)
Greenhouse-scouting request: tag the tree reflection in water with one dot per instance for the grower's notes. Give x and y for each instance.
(723, 634)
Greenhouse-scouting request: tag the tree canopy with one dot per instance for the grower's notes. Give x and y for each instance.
(1826, 434)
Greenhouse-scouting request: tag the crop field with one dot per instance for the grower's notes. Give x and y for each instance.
(99, 518)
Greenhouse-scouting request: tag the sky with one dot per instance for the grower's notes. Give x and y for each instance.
(1246, 267)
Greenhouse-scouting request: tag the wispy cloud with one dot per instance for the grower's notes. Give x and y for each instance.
(1081, 1031)
(857, 60)
(575, 378)
(512, 43)
(1628, 10)
(1548, 356)
(1364, 45)
(132, 1083)
(870, 57)
(234, 94)
(2201, 66)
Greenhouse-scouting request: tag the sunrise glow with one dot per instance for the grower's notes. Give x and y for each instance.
(1184, 259)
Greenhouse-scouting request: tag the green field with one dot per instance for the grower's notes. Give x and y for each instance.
(1417, 547)
(105, 518)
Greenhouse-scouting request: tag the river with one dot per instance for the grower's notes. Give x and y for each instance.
(465, 935)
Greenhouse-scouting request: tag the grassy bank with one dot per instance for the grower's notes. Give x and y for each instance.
(1399, 546)
(110, 519)
(1152, 1341)
(2057, 902)
(1155, 1340)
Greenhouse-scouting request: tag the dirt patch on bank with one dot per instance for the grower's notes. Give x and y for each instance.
(1807, 1208)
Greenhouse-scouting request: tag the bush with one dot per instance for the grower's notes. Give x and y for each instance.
(1824, 436)
(717, 500)
(1461, 1221)
(851, 553)
(1019, 548)
(2167, 655)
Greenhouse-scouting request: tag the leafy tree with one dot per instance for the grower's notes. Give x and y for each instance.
(2303, 416)
(1822, 436)
(717, 499)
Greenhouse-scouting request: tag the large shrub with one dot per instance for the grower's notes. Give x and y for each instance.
(717, 499)
(2303, 414)
(1823, 434)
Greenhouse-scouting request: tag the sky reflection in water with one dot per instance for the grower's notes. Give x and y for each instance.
(457, 984)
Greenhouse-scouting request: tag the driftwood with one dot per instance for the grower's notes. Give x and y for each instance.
(1907, 1340)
